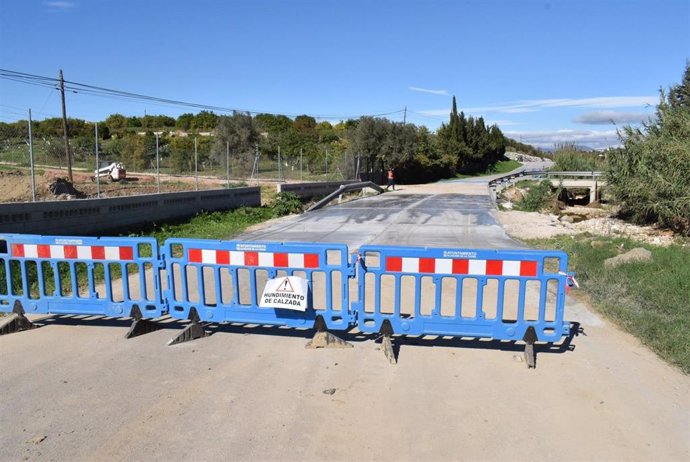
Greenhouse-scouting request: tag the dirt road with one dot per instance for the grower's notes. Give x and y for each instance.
(76, 390)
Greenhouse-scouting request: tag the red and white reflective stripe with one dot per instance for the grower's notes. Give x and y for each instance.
(243, 258)
(72, 252)
(461, 266)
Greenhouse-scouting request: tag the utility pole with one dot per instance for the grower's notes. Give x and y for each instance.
(405, 116)
(31, 159)
(158, 162)
(196, 165)
(98, 176)
(227, 162)
(65, 130)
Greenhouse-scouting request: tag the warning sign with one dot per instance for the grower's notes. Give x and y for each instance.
(288, 292)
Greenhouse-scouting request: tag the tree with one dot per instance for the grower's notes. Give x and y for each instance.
(133, 122)
(679, 95)
(181, 153)
(185, 121)
(468, 145)
(240, 133)
(205, 121)
(116, 123)
(306, 126)
(273, 124)
(650, 176)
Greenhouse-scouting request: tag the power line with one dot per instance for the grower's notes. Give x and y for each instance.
(93, 90)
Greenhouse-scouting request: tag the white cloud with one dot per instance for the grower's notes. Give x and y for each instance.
(501, 122)
(595, 139)
(611, 117)
(60, 5)
(534, 105)
(426, 90)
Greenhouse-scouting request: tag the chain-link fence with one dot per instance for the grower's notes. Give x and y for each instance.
(168, 161)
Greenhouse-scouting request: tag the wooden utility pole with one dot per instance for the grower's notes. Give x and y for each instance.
(65, 130)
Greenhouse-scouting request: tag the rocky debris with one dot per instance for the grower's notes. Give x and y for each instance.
(615, 227)
(329, 391)
(566, 219)
(11, 173)
(535, 225)
(37, 439)
(637, 254)
(64, 190)
(520, 157)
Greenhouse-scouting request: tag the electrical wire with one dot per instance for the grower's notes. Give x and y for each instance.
(93, 90)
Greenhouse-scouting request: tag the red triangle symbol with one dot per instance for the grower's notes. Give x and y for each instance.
(285, 286)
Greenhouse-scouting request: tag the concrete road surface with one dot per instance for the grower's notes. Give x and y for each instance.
(76, 390)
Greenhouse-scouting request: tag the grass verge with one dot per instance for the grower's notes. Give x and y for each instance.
(503, 166)
(651, 300)
(225, 224)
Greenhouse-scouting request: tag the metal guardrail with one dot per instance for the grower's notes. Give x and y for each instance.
(344, 189)
(498, 184)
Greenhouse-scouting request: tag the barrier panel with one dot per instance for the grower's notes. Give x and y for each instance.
(222, 281)
(495, 294)
(506, 295)
(80, 275)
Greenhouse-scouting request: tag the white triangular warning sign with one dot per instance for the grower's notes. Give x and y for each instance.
(290, 293)
(285, 286)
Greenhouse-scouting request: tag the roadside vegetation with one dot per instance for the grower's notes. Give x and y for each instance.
(647, 299)
(569, 158)
(538, 197)
(649, 182)
(503, 166)
(650, 175)
(226, 224)
(269, 146)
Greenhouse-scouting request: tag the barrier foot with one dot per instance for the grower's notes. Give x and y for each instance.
(387, 342)
(16, 322)
(530, 354)
(192, 332)
(324, 339)
(140, 326)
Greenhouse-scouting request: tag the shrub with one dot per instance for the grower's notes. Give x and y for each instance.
(568, 158)
(286, 203)
(650, 176)
(537, 197)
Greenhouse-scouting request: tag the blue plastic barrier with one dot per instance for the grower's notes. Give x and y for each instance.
(498, 294)
(223, 281)
(495, 294)
(80, 275)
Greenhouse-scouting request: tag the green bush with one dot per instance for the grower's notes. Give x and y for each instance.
(568, 158)
(650, 176)
(537, 197)
(286, 203)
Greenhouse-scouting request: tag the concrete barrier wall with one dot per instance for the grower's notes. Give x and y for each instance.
(98, 216)
(309, 190)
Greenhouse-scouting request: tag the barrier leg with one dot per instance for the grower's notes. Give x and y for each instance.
(140, 326)
(192, 332)
(16, 322)
(324, 339)
(530, 354)
(387, 341)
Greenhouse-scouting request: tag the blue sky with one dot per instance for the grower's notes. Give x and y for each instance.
(544, 71)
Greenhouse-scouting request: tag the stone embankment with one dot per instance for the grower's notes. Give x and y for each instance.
(578, 220)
